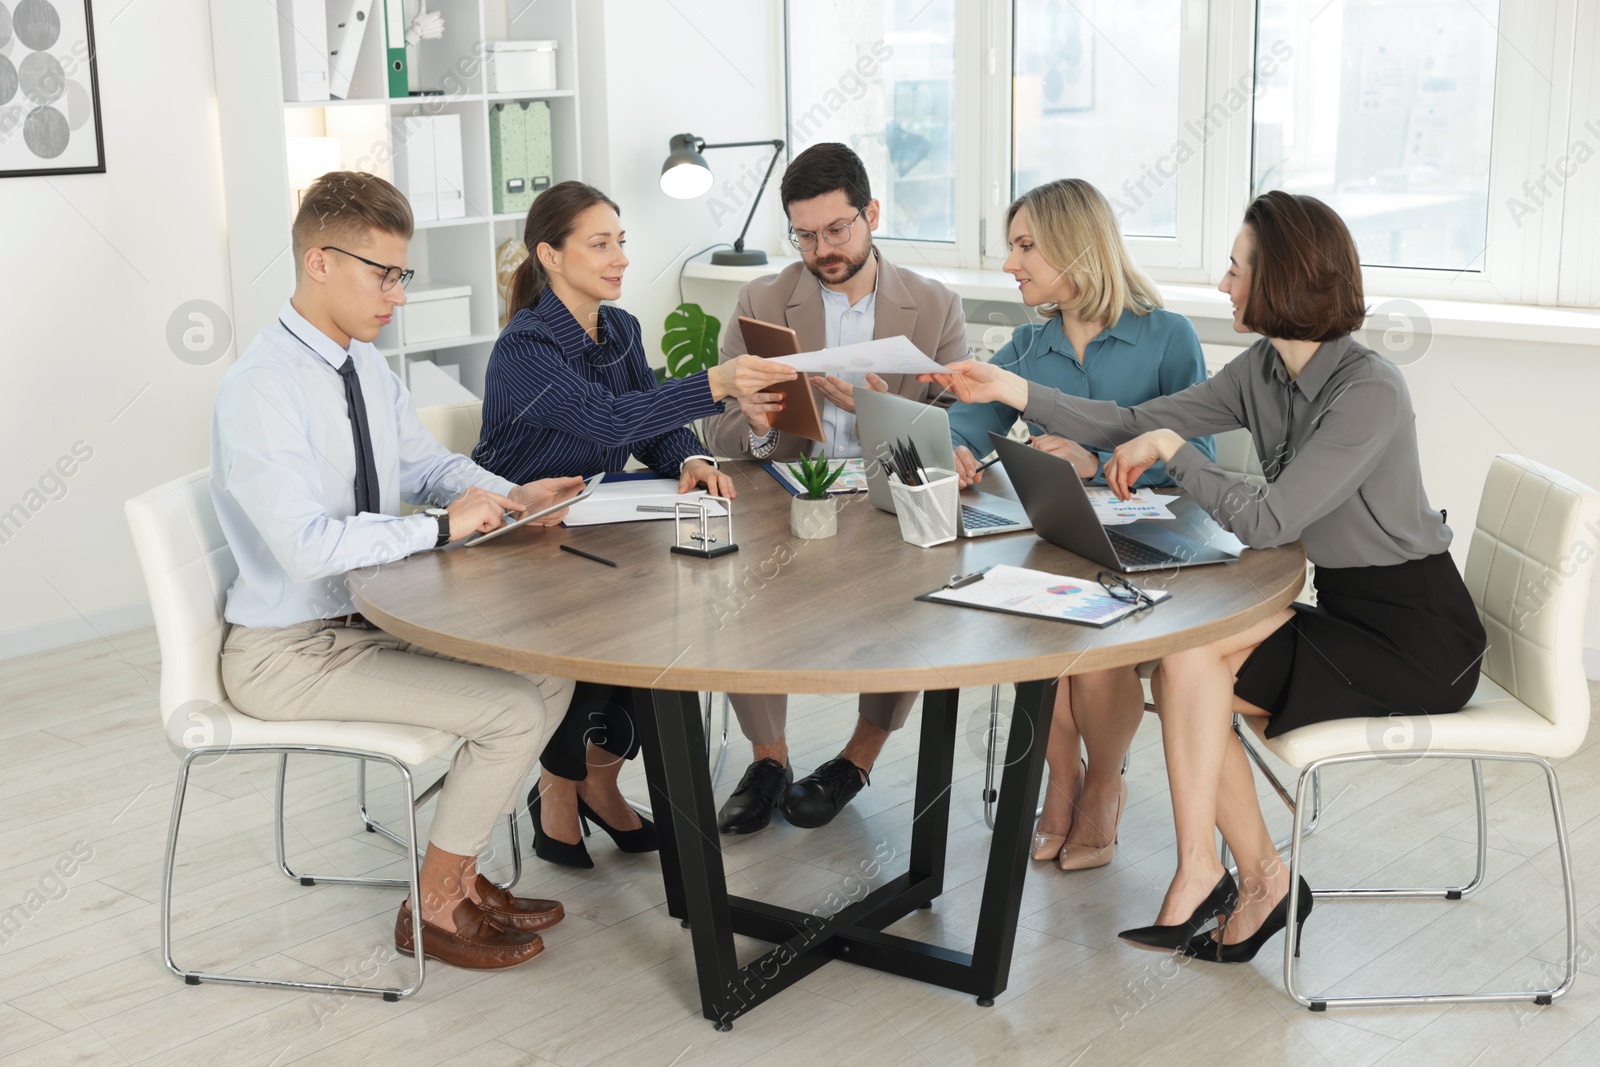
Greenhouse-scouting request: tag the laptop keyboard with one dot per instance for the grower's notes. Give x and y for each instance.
(1136, 553)
(974, 519)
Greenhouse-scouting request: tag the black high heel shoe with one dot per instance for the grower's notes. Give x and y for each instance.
(642, 839)
(548, 848)
(1219, 903)
(1207, 947)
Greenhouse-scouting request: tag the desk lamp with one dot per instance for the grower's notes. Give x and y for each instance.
(686, 175)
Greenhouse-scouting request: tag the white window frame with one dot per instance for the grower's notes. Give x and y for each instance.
(1542, 101)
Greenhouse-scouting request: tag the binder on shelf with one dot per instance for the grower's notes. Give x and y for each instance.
(449, 183)
(394, 28)
(520, 158)
(414, 166)
(303, 49)
(347, 27)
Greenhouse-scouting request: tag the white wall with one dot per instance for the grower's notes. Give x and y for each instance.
(650, 70)
(91, 267)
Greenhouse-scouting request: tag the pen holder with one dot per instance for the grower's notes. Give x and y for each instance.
(927, 512)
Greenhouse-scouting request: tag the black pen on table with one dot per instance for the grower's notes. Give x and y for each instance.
(587, 555)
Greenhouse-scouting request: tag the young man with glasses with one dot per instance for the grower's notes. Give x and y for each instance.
(314, 446)
(843, 291)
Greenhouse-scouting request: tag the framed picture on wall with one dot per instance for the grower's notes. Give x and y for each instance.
(49, 90)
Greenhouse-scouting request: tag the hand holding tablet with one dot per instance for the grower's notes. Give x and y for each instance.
(528, 516)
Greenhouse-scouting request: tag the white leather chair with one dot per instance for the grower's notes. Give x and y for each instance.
(1529, 567)
(188, 568)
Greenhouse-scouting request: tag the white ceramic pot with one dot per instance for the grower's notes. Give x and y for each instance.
(813, 519)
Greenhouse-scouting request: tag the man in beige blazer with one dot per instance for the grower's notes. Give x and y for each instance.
(842, 292)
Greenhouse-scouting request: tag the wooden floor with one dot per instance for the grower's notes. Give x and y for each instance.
(87, 786)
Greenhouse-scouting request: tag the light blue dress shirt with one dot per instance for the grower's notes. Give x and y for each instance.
(1137, 358)
(844, 324)
(283, 472)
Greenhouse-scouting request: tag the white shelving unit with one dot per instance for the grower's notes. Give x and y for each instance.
(255, 122)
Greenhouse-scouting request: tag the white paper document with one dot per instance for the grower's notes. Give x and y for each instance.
(621, 501)
(885, 355)
(1144, 504)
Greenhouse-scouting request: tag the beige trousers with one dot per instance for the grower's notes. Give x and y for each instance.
(762, 716)
(325, 669)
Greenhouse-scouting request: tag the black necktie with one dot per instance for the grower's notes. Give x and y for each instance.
(366, 467)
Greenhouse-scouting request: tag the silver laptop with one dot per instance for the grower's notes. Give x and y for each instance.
(884, 418)
(1054, 497)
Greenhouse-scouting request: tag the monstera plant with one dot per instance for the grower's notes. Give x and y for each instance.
(690, 342)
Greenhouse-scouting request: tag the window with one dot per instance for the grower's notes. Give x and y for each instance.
(1453, 136)
(880, 76)
(1095, 96)
(1385, 112)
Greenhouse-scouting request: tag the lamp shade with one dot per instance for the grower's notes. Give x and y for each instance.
(686, 174)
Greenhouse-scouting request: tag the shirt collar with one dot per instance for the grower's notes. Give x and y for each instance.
(1318, 369)
(1126, 329)
(833, 296)
(310, 337)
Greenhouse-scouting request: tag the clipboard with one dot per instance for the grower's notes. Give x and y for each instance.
(799, 415)
(1039, 595)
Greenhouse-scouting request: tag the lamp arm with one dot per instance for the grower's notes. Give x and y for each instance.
(738, 244)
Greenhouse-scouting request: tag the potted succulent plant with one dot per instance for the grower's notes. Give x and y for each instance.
(811, 513)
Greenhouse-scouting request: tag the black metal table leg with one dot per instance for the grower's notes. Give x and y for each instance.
(1008, 850)
(660, 805)
(930, 825)
(687, 805)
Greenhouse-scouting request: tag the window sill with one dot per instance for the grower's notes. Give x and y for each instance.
(1445, 318)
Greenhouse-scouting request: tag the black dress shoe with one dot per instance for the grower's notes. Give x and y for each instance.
(750, 806)
(1221, 901)
(815, 799)
(548, 848)
(1210, 946)
(641, 839)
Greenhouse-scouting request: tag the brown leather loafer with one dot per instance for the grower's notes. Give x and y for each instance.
(478, 943)
(517, 913)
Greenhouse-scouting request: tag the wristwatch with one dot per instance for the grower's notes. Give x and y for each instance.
(443, 518)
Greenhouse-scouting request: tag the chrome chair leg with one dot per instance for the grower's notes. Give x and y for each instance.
(990, 793)
(373, 826)
(991, 751)
(411, 882)
(1320, 1002)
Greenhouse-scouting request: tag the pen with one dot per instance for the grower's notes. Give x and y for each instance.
(986, 464)
(657, 507)
(587, 555)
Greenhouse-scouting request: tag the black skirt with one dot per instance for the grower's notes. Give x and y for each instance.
(1381, 640)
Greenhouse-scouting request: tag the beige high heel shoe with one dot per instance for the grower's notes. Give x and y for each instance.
(1085, 857)
(1048, 846)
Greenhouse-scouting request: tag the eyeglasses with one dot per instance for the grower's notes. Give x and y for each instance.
(390, 274)
(835, 235)
(1119, 588)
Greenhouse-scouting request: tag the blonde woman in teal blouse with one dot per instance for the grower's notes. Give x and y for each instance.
(1105, 337)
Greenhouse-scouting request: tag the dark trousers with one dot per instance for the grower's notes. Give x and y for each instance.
(602, 714)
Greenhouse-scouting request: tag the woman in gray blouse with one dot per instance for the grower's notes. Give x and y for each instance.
(1394, 630)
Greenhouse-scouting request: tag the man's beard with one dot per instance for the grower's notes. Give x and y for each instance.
(853, 267)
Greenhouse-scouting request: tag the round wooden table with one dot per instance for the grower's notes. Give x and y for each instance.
(786, 615)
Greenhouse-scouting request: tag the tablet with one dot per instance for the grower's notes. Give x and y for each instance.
(527, 517)
(799, 414)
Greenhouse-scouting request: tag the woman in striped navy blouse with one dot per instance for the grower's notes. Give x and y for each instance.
(568, 389)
